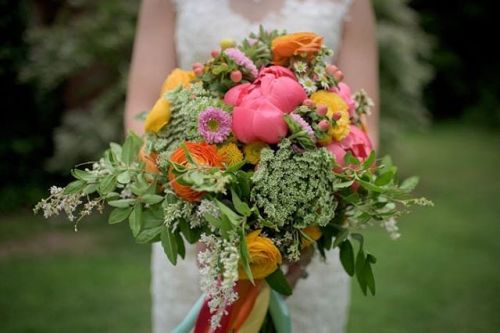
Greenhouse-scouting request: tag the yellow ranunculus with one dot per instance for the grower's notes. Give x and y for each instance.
(159, 116)
(175, 78)
(313, 232)
(265, 257)
(335, 104)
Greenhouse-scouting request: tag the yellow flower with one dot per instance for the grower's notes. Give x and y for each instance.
(252, 151)
(175, 78)
(227, 43)
(336, 105)
(313, 232)
(265, 257)
(230, 154)
(159, 116)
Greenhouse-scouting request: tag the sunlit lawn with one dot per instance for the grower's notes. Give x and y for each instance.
(441, 276)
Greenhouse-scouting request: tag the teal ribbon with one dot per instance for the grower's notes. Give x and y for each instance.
(280, 313)
(188, 322)
(277, 307)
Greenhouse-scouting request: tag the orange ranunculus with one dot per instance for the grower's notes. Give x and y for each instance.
(265, 257)
(313, 232)
(300, 43)
(203, 154)
(176, 78)
(149, 161)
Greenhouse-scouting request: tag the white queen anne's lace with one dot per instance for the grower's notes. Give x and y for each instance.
(320, 302)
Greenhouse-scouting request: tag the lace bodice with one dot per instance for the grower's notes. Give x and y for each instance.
(320, 302)
(202, 24)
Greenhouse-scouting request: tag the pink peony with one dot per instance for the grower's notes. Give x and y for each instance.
(357, 142)
(344, 91)
(259, 107)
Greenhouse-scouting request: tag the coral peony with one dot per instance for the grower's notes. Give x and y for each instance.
(357, 142)
(203, 154)
(259, 107)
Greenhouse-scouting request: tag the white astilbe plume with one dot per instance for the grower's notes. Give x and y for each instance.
(218, 275)
(391, 227)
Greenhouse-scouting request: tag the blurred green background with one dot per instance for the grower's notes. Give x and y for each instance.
(63, 75)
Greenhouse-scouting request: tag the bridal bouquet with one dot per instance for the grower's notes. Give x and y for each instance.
(258, 153)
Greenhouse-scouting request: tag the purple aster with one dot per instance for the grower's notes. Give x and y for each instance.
(302, 123)
(241, 59)
(214, 125)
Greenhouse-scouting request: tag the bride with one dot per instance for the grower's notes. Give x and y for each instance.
(177, 34)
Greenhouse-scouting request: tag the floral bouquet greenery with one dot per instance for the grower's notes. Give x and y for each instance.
(259, 154)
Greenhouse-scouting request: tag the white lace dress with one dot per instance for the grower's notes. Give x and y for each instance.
(320, 302)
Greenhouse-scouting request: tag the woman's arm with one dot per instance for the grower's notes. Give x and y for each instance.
(153, 58)
(358, 58)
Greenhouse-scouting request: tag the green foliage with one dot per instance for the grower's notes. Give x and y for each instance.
(404, 52)
(85, 50)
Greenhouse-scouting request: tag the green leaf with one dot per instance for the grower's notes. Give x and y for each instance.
(151, 199)
(90, 188)
(130, 149)
(74, 187)
(236, 167)
(369, 161)
(234, 218)
(181, 249)
(347, 256)
(369, 278)
(108, 184)
(369, 186)
(149, 235)
(278, 282)
(83, 175)
(342, 236)
(135, 219)
(343, 184)
(124, 177)
(385, 178)
(241, 207)
(169, 244)
(118, 215)
(116, 152)
(245, 255)
(121, 203)
(409, 184)
(360, 270)
(191, 235)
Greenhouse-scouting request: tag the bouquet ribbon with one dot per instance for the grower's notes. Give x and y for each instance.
(246, 315)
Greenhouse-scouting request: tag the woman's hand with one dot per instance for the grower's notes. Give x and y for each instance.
(298, 270)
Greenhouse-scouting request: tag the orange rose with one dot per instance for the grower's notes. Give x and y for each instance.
(300, 43)
(203, 154)
(313, 232)
(149, 161)
(265, 257)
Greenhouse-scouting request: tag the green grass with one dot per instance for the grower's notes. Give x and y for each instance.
(441, 276)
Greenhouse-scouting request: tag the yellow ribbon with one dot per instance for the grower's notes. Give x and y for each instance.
(258, 314)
